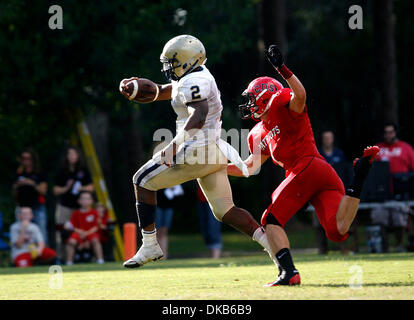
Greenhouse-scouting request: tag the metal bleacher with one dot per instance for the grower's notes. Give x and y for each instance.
(376, 191)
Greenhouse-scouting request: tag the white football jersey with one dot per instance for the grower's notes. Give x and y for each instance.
(196, 86)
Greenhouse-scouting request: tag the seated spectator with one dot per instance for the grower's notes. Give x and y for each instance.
(400, 156)
(105, 224)
(84, 226)
(72, 178)
(28, 246)
(4, 236)
(104, 221)
(30, 188)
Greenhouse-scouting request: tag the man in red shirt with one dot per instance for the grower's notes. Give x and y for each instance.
(399, 153)
(84, 223)
(400, 156)
(285, 134)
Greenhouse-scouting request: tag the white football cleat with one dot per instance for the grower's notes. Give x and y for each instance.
(144, 255)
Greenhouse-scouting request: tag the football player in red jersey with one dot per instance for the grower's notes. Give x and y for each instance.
(284, 133)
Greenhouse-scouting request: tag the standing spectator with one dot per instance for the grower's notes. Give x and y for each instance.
(84, 226)
(399, 153)
(164, 214)
(30, 188)
(334, 156)
(328, 150)
(400, 156)
(72, 179)
(210, 226)
(28, 247)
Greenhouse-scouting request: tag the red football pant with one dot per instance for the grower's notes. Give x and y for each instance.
(315, 181)
(88, 238)
(26, 260)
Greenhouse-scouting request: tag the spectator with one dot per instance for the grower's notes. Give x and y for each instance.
(104, 224)
(328, 150)
(333, 156)
(400, 156)
(72, 179)
(84, 226)
(28, 246)
(164, 214)
(399, 153)
(210, 226)
(30, 188)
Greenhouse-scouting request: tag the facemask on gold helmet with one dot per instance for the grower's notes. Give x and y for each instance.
(181, 55)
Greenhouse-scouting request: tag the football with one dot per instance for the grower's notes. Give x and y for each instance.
(139, 89)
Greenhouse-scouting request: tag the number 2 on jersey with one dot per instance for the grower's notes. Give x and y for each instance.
(195, 92)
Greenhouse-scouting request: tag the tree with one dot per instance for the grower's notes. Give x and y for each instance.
(385, 58)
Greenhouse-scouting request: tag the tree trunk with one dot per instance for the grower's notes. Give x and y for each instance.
(98, 124)
(271, 30)
(134, 159)
(385, 59)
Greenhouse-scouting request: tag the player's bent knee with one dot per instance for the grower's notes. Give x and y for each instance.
(271, 219)
(335, 235)
(220, 208)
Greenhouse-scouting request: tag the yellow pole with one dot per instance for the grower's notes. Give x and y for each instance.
(99, 183)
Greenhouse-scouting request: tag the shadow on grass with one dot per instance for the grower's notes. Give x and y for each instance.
(303, 258)
(376, 284)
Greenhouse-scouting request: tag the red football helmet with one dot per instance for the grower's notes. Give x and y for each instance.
(257, 96)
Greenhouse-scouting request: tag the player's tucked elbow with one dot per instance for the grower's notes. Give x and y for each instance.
(199, 117)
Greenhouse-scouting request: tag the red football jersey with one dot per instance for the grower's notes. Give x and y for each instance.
(286, 136)
(84, 220)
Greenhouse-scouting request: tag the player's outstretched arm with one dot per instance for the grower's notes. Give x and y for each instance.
(165, 91)
(253, 163)
(297, 104)
(127, 90)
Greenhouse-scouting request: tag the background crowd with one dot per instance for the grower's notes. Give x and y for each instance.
(357, 80)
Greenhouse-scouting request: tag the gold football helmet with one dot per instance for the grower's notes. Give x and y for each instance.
(181, 55)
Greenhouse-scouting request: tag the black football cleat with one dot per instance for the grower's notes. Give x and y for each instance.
(286, 278)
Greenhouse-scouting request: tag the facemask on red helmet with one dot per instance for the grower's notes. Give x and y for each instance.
(257, 96)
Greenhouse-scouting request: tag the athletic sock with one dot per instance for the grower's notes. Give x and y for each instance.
(260, 236)
(145, 214)
(285, 260)
(361, 170)
(149, 238)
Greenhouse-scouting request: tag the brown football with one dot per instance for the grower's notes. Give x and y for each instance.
(147, 90)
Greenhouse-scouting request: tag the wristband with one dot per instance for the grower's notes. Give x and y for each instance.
(284, 72)
(181, 137)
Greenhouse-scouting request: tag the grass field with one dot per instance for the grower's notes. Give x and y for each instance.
(372, 276)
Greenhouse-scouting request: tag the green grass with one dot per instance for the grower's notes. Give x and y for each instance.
(383, 276)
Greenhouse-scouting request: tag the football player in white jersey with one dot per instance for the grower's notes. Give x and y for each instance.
(196, 100)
